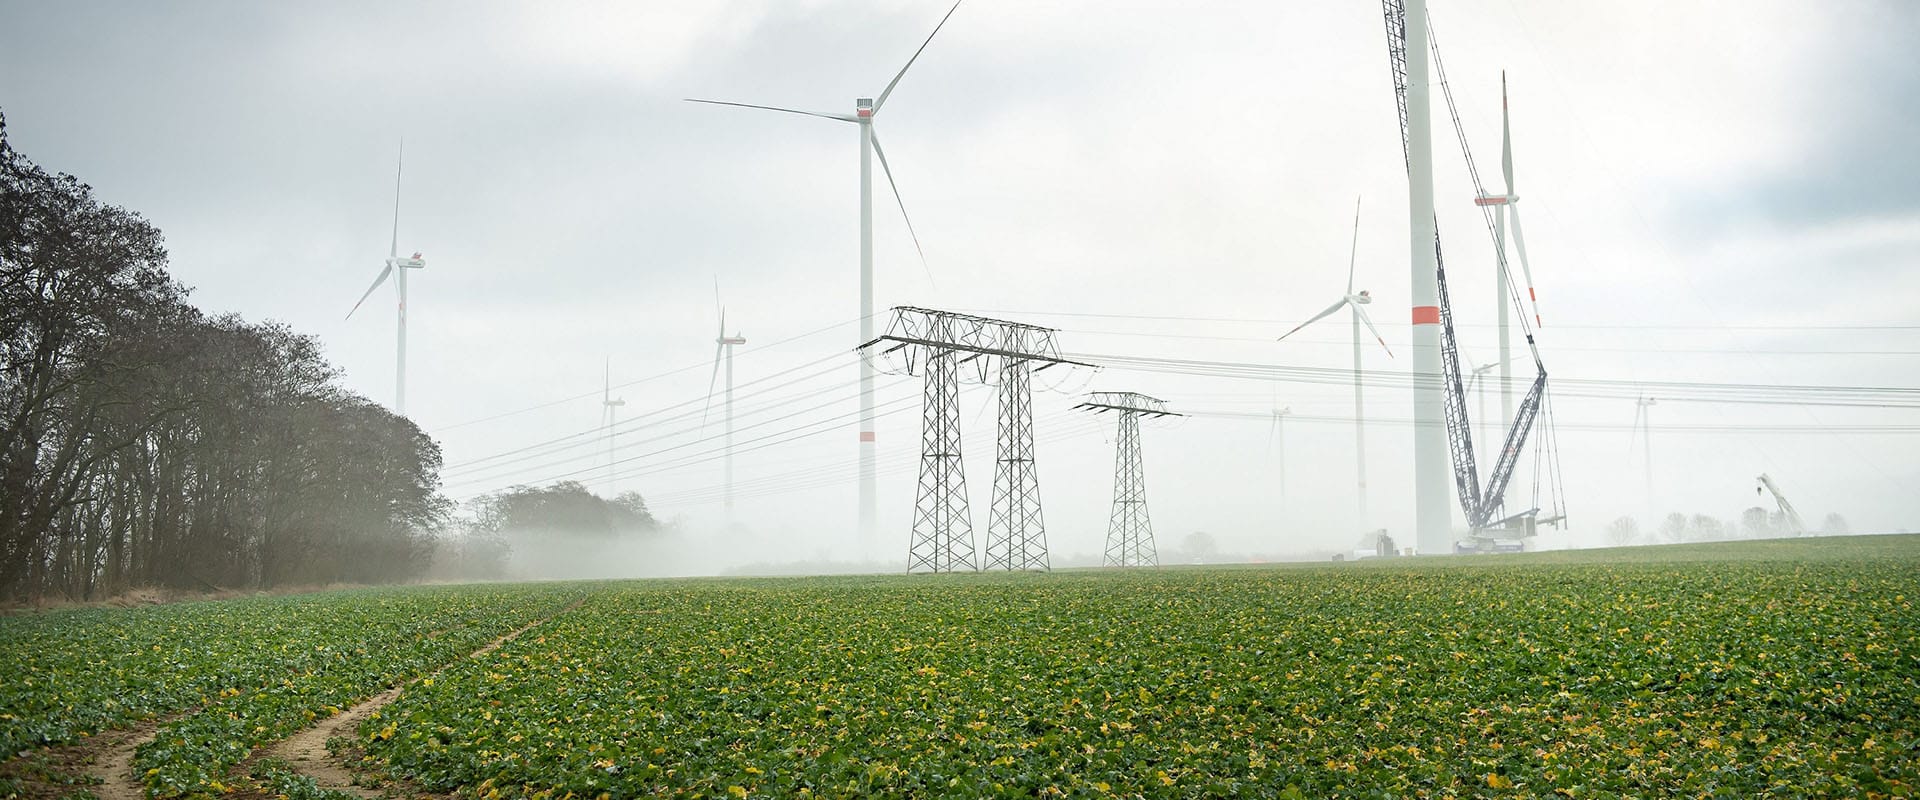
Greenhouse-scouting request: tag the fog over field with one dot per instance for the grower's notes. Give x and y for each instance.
(1720, 200)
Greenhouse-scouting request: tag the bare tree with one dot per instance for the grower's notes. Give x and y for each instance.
(1623, 531)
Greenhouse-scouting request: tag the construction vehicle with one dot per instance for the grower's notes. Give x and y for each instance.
(1787, 514)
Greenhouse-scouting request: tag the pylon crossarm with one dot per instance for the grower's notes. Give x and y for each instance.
(902, 342)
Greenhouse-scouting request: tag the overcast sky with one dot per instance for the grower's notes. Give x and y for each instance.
(1714, 192)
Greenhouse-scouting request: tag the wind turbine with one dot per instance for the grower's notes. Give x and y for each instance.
(1357, 301)
(724, 344)
(400, 286)
(1643, 420)
(1476, 383)
(1276, 435)
(864, 111)
(1504, 205)
(609, 405)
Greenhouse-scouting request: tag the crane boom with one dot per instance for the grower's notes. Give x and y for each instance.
(1786, 508)
(1482, 507)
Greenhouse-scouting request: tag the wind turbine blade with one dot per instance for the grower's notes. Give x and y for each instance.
(376, 284)
(875, 137)
(840, 117)
(393, 248)
(1506, 137)
(1520, 245)
(1355, 249)
(1271, 429)
(1316, 318)
(717, 348)
(1361, 312)
(882, 99)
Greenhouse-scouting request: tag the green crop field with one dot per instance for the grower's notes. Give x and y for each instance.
(1748, 669)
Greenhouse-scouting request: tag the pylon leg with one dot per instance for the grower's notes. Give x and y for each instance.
(1129, 530)
(1016, 533)
(942, 525)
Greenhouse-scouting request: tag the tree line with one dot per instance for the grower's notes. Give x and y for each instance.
(1754, 523)
(144, 442)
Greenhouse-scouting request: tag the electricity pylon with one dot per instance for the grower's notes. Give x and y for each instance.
(1016, 532)
(1129, 529)
(935, 345)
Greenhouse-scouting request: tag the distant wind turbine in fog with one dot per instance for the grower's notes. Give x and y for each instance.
(864, 112)
(1357, 302)
(1643, 421)
(723, 345)
(1477, 385)
(394, 261)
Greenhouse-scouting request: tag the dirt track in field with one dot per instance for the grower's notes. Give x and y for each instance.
(307, 752)
(114, 768)
(106, 758)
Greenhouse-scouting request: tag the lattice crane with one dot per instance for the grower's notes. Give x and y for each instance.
(1484, 507)
(1786, 508)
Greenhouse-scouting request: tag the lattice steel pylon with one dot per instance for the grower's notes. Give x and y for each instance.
(1129, 529)
(1016, 531)
(935, 345)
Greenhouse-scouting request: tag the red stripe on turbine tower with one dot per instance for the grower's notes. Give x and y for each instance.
(1426, 315)
(866, 436)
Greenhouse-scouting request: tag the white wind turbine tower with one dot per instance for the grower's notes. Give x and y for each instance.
(864, 111)
(723, 345)
(1357, 301)
(394, 261)
(609, 406)
(1503, 206)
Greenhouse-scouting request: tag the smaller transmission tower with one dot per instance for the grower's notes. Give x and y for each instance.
(936, 345)
(1129, 530)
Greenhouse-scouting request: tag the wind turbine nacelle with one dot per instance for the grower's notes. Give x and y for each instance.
(1494, 199)
(415, 262)
(732, 340)
(1363, 297)
(863, 107)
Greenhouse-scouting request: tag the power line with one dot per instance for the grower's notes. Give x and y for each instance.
(802, 479)
(616, 475)
(1557, 347)
(590, 436)
(1607, 327)
(712, 454)
(1687, 391)
(668, 373)
(1725, 428)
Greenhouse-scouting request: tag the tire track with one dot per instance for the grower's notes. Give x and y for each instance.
(307, 753)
